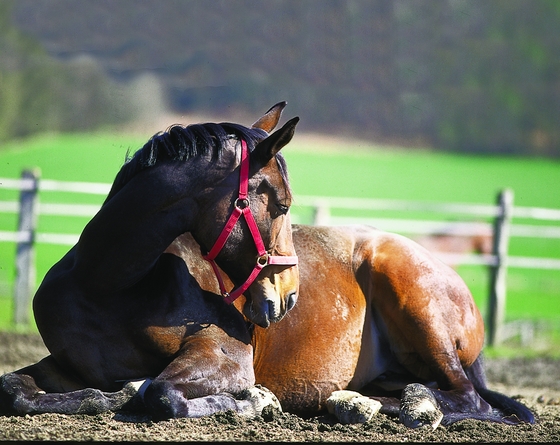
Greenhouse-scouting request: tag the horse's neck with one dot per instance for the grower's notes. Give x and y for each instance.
(123, 241)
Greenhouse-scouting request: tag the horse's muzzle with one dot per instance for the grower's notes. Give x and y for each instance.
(270, 309)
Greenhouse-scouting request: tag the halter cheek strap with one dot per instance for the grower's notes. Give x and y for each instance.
(241, 207)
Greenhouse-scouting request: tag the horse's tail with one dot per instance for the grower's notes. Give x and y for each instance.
(508, 409)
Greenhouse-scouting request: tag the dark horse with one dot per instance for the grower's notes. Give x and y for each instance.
(117, 308)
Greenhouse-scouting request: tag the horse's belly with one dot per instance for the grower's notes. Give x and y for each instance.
(304, 382)
(375, 355)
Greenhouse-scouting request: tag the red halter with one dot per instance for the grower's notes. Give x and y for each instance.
(241, 207)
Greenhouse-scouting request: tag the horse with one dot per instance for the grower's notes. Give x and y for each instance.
(451, 242)
(380, 325)
(375, 312)
(118, 308)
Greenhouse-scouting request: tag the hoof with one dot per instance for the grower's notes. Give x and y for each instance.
(419, 407)
(137, 387)
(352, 407)
(135, 390)
(259, 398)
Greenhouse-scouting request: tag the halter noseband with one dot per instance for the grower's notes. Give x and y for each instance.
(241, 207)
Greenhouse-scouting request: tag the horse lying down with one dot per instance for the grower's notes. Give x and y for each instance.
(135, 301)
(380, 325)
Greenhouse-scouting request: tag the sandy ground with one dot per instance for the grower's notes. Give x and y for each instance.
(536, 382)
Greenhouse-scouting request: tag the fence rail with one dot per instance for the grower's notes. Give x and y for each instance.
(29, 208)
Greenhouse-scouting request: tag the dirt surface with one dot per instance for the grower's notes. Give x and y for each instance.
(535, 382)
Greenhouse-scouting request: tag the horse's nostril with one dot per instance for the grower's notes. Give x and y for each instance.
(292, 299)
(270, 310)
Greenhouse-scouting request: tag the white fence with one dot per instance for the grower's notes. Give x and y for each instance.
(29, 208)
(322, 216)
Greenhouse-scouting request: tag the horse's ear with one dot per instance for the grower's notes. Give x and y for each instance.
(267, 148)
(269, 121)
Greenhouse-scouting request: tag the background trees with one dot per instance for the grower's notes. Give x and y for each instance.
(458, 75)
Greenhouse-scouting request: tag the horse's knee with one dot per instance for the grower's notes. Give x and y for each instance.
(164, 401)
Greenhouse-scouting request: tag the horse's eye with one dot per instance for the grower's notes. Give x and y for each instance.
(282, 208)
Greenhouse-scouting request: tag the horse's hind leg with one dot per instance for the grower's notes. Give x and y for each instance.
(511, 410)
(456, 397)
(208, 376)
(469, 399)
(21, 394)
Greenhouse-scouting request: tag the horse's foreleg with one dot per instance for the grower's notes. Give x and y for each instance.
(207, 377)
(167, 400)
(20, 395)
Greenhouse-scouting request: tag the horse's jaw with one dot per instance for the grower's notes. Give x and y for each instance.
(266, 304)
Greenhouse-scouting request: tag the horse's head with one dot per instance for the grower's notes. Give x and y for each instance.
(250, 236)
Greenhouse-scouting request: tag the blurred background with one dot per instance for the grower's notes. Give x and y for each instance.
(404, 105)
(456, 75)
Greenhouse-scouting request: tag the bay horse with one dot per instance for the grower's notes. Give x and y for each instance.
(376, 313)
(453, 242)
(117, 308)
(380, 325)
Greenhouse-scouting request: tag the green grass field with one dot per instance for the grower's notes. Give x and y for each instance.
(325, 167)
(422, 175)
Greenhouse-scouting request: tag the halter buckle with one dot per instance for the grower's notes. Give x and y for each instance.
(262, 260)
(241, 203)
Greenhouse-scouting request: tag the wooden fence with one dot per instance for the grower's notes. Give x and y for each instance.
(29, 208)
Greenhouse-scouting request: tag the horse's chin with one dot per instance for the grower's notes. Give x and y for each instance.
(263, 322)
(260, 315)
(264, 312)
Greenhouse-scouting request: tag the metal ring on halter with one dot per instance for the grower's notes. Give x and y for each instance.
(262, 260)
(241, 203)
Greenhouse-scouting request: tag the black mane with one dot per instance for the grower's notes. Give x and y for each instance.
(180, 143)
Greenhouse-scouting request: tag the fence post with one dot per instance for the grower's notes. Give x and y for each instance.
(498, 271)
(25, 255)
(322, 213)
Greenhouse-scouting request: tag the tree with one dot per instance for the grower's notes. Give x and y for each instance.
(39, 93)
